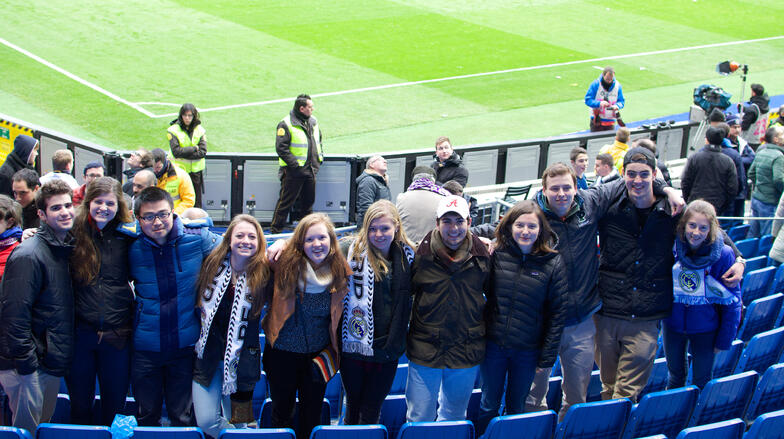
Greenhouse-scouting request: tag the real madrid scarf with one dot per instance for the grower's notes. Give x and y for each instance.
(692, 281)
(357, 331)
(238, 324)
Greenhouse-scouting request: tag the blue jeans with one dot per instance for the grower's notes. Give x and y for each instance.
(701, 348)
(758, 228)
(520, 365)
(210, 406)
(449, 388)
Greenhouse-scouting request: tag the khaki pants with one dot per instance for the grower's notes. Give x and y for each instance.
(625, 350)
(32, 397)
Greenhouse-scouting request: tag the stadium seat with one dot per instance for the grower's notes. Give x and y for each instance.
(472, 411)
(764, 246)
(756, 284)
(666, 412)
(334, 394)
(259, 395)
(730, 429)
(769, 394)
(536, 425)
(724, 362)
(760, 316)
(767, 426)
(265, 420)
(748, 247)
(516, 193)
(756, 263)
(399, 382)
(724, 398)
(437, 430)
(393, 413)
(595, 420)
(762, 351)
(62, 411)
(167, 433)
(777, 285)
(594, 387)
(349, 432)
(14, 433)
(554, 395)
(261, 433)
(67, 431)
(658, 379)
(738, 232)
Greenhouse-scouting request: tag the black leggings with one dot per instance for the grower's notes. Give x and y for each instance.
(367, 384)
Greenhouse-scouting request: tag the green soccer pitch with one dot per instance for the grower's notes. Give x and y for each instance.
(385, 75)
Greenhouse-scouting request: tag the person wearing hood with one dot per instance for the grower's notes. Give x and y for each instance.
(174, 180)
(22, 156)
(447, 163)
(605, 98)
(525, 311)
(372, 185)
(710, 175)
(755, 116)
(188, 143)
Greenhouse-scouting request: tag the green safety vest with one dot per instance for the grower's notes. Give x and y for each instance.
(299, 142)
(190, 166)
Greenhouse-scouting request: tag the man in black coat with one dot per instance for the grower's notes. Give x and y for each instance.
(710, 174)
(22, 156)
(372, 185)
(37, 312)
(447, 163)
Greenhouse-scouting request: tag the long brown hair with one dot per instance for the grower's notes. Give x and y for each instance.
(86, 259)
(379, 209)
(503, 232)
(257, 272)
(293, 259)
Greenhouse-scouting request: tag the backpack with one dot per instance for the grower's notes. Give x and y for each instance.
(708, 97)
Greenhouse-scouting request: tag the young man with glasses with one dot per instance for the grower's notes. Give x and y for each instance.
(165, 263)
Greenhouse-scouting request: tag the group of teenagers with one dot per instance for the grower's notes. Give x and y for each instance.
(165, 304)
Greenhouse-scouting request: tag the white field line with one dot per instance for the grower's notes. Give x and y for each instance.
(77, 78)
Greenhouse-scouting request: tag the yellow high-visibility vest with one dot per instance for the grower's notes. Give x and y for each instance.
(190, 166)
(299, 142)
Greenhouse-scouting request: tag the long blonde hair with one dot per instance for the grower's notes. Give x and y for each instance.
(379, 209)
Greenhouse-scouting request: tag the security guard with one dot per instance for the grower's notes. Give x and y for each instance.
(298, 144)
(188, 142)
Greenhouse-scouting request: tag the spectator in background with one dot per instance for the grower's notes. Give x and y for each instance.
(142, 180)
(710, 175)
(618, 148)
(372, 185)
(716, 117)
(26, 185)
(417, 205)
(174, 180)
(579, 158)
(755, 116)
(739, 143)
(137, 161)
(767, 176)
(664, 173)
(62, 164)
(447, 163)
(605, 170)
(738, 204)
(779, 120)
(10, 229)
(92, 171)
(777, 250)
(454, 188)
(605, 98)
(188, 143)
(21, 157)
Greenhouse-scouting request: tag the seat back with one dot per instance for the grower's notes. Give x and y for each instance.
(738, 232)
(516, 191)
(666, 412)
(769, 394)
(349, 432)
(756, 284)
(334, 394)
(14, 433)
(259, 395)
(756, 263)
(265, 419)
(595, 420)
(658, 379)
(472, 411)
(554, 395)
(760, 316)
(399, 382)
(69, 431)
(257, 433)
(393, 413)
(765, 244)
(724, 398)
(748, 247)
(724, 362)
(167, 433)
(730, 429)
(766, 426)
(437, 430)
(536, 425)
(762, 351)
(777, 285)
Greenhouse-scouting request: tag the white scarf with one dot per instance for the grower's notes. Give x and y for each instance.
(238, 323)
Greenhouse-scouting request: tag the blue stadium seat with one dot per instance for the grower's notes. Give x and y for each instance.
(554, 395)
(14, 433)
(349, 432)
(334, 394)
(777, 285)
(658, 379)
(764, 246)
(472, 411)
(594, 387)
(756, 263)
(536, 425)
(730, 429)
(393, 413)
(724, 398)
(724, 362)
(769, 394)
(167, 433)
(595, 420)
(748, 247)
(760, 316)
(403, 359)
(67, 431)
(399, 382)
(62, 411)
(261, 433)
(265, 420)
(762, 351)
(767, 426)
(757, 284)
(738, 232)
(437, 430)
(666, 412)
(259, 395)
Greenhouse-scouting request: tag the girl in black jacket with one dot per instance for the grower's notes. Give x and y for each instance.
(525, 309)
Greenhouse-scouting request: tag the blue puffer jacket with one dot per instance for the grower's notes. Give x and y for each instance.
(165, 282)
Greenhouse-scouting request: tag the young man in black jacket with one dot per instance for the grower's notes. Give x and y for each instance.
(447, 163)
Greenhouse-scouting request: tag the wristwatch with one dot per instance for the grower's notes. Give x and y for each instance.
(739, 259)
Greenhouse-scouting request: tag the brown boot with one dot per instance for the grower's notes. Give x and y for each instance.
(242, 412)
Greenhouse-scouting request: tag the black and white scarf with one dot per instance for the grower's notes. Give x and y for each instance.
(357, 331)
(238, 323)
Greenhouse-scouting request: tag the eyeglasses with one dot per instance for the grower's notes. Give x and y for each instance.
(163, 216)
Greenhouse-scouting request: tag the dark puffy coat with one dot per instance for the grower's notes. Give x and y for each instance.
(451, 169)
(526, 302)
(371, 187)
(751, 113)
(12, 164)
(37, 307)
(711, 176)
(447, 323)
(107, 303)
